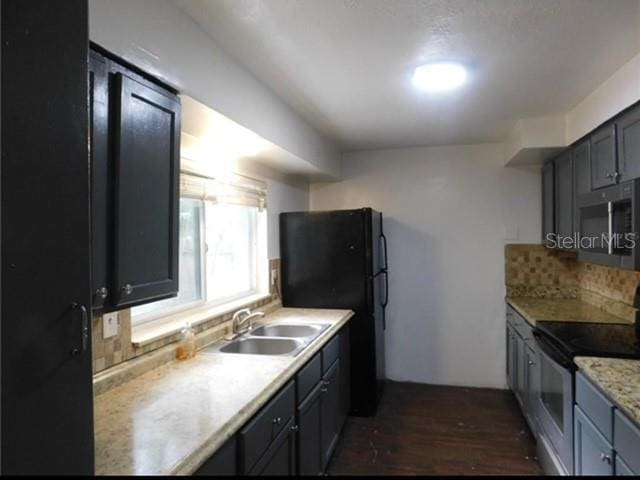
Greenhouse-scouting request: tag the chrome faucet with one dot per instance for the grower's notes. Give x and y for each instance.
(243, 316)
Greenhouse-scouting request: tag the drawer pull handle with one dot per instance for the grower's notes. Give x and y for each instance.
(323, 390)
(326, 383)
(605, 458)
(277, 421)
(531, 363)
(294, 428)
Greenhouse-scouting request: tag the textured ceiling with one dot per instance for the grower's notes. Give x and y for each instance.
(345, 65)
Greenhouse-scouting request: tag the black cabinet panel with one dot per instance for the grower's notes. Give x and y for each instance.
(330, 406)
(628, 133)
(280, 459)
(564, 194)
(548, 195)
(603, 157)
(146, 193)
(223, 462)
(101, 179)
(310, 459)
(47, 399)
(257, 436)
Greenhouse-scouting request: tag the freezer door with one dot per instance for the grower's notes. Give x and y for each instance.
(324, 259)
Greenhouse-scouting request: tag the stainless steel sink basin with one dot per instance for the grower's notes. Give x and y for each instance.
(288, 330)
(262, 346)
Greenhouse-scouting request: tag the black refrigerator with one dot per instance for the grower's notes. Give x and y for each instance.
(338, 259)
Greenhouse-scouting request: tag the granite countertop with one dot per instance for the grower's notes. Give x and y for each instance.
(171, 419)
(561, 310)
(618, 378)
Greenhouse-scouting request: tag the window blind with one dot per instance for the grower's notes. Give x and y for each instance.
(234, 189)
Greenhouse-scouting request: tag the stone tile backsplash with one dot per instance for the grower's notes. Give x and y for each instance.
(534, 270)
(113, 351)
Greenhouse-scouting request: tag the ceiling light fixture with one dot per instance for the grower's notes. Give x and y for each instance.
(439, 76)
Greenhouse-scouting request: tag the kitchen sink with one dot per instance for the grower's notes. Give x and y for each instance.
(289, 330)
(263, 346)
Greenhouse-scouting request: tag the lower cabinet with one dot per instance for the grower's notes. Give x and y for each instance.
(593, 455)
(606, 441)
(330, 412)
(309, 432)
(296, 432)
(223, 462)
(523, 374)
(280, 458)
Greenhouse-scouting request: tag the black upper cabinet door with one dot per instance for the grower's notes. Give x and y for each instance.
(47, 397)
(564, 194)
(548, 194)
(628, 132)
(603, 157)
(101, 179)
(146, 207)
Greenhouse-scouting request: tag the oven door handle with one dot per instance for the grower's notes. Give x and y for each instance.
(553, 352)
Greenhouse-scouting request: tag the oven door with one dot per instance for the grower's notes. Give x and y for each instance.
(555, 401)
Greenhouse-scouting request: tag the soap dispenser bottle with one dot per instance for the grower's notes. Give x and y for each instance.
(187, 343)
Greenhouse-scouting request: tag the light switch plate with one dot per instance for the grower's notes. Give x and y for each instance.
(110, 325)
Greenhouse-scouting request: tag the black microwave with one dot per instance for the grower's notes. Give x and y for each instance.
(609, 224)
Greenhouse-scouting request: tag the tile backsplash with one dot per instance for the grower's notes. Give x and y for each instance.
(113, 351)
(534, 270)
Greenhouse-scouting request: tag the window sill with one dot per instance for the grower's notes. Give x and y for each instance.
(150, 332)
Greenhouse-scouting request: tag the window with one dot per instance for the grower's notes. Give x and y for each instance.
(222, 257)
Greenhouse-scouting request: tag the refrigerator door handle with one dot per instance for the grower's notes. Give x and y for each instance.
(386, 289)
(385, 264)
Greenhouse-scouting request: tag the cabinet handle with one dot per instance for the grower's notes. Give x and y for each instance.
(531, 363)
(102, 293)
(277, 421)
(127, 289)
(326, 383)
(605, 458)
(323, 390)
(295, 428)
(84, 328)
(610, 227)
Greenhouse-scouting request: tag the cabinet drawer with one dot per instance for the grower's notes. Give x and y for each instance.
(627, 440)
(308, 377)
(595, 405)
(330, 353)
(256, 437)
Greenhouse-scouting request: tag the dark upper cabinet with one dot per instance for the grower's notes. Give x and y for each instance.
(135, 142)
(564, 194)
(603, 157)
(628, 136)
(46, 378)
(146, 191)
(548, 202)
(101, 178)
(581, 177)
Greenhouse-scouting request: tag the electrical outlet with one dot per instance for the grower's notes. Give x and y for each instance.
(110, 325)
(274, 275)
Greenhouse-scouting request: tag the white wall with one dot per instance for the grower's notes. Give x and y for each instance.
(160, 38)
(285, 193)
(621, 90)
(447, 212)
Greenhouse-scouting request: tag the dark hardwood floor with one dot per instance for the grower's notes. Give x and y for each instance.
(437, 430)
